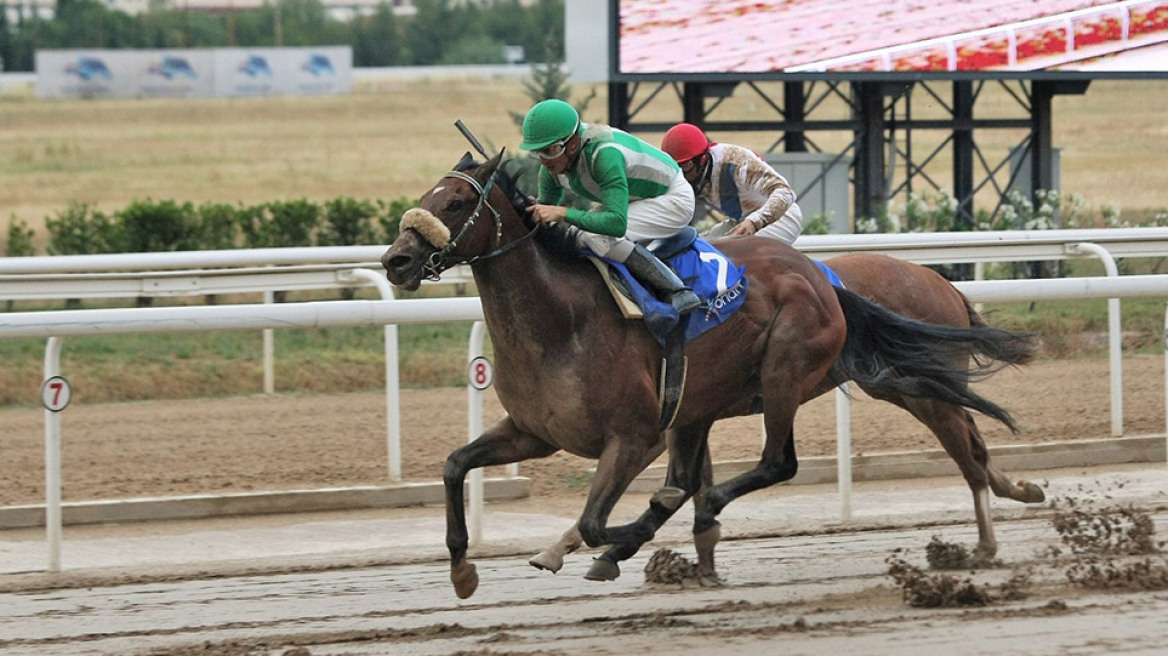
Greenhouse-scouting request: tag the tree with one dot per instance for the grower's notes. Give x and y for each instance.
(431, 29)
(475, 49)
(550, 80)
(442, 31)
(377, 38)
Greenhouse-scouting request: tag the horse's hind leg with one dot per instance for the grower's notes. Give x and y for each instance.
(956, 430)
(689, 459)
(778, 464)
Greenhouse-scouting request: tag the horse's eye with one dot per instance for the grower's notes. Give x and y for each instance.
(453, 205)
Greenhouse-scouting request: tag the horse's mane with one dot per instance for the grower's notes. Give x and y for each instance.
(507, 177)
(507, 181)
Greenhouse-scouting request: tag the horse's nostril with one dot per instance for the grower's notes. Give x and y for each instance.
(396, 262)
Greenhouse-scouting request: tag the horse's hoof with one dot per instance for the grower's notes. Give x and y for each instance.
(465, 580)
(602, 570)
(984, 557)
(1031, 493)
(547, 560)
(711, 581)
(669, 498)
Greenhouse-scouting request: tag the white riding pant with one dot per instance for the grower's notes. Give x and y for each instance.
(787, 229)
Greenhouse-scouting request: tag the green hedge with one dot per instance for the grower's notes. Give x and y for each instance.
(146, 226)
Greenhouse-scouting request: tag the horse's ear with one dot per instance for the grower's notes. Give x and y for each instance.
(485, 171)
(465, 163)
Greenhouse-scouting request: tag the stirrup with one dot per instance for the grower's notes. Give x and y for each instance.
(685, 301)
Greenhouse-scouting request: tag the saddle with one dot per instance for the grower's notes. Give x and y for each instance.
(717, 281)
(667, 248)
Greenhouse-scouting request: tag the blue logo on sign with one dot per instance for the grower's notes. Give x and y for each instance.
(172, 67)
(255, 66)
(88, 68)
(318, 65)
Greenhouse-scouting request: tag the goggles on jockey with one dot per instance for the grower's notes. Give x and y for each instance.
(553, 150)
(691, 165)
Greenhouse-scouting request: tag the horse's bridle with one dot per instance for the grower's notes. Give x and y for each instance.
(441, 259)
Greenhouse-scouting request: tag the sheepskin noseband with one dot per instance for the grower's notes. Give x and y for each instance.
(427, 225)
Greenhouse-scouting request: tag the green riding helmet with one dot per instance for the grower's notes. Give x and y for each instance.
(548, 122)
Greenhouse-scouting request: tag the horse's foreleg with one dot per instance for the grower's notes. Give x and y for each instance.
(552, 558)
(619, 464)
(682, 482)
(501, 444)
(706, 540)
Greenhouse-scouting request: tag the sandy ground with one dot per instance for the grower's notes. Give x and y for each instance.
(816, 592)
(298, 442)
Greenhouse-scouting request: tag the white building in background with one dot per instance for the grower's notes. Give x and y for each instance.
(131, 7)
(26, 9)
(339, 9)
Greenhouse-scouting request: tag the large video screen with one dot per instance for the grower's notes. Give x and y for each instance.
(890, 38)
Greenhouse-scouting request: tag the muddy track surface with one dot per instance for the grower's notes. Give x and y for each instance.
(812, 594)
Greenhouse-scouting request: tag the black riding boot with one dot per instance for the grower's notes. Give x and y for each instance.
(560, 238)
(661, 280)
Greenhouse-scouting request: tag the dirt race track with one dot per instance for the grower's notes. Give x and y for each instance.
(810, 593)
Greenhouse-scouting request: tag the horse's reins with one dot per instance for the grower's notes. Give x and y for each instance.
(441, 259)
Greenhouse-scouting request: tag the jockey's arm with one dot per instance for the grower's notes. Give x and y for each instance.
(778, 192)
(612, 219)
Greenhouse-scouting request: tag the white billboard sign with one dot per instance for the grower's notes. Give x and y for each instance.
(193, 73)
(283, 71)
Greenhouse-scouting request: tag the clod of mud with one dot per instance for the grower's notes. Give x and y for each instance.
(667, 567)
(1102, 538)
(1101, 573)
(1087, 526)
(943, 555)
(923, 590)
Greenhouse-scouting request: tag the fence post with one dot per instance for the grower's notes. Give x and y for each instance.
(53, 462)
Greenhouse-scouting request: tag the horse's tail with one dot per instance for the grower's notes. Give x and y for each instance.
(893, 355)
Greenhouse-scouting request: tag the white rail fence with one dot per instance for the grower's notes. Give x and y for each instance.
(55, 325)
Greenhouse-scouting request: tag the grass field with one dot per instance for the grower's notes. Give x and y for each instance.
(396, 140)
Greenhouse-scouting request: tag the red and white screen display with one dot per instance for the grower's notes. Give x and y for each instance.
(890, 36)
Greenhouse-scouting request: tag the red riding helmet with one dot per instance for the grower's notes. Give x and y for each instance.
(684, 142)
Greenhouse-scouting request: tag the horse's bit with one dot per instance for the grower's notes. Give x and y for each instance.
(439, 261)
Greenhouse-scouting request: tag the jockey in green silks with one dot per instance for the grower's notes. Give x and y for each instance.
(641, 192)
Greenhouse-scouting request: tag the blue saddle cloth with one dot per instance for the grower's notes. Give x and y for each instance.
(714, 278)
(832, 276)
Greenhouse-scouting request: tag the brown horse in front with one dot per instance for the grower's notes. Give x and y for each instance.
(574, 375)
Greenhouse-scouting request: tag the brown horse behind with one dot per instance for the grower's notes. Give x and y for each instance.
(574, 375)
(920, 293)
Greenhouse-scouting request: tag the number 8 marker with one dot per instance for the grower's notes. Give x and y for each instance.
(480, 373)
